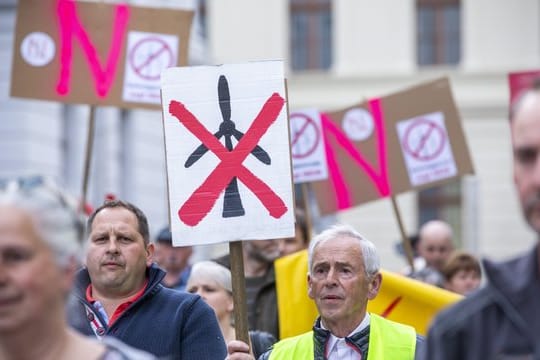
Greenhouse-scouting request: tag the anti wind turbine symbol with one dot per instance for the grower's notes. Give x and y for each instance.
(232, 203)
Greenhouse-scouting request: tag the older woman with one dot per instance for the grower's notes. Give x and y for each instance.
(212, 282)
(39, 247)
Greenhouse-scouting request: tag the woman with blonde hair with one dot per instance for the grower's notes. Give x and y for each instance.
(212, 282)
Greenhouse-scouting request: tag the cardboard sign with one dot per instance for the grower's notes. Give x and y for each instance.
(307, 146)
(96, 53)
(227, 150)
(519, 81)
(409, 140)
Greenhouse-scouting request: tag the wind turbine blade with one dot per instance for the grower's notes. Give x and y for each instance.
(199, 152)
(257, 151)
(224, 98)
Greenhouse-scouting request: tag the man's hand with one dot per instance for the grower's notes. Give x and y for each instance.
(238, 350)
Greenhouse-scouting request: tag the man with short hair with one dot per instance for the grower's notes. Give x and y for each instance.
(502, 320)
(173, 259)
(119, 293)
(343, 275)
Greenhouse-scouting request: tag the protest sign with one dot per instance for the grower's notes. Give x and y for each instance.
(307, 146)
(228, 153)
(96, 53)
(410, 140)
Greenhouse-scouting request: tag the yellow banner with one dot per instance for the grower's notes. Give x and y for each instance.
(400, 299)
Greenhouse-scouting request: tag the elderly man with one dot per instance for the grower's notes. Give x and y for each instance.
(434, 247)
(502, 320)
(119, 293)
(343, 275)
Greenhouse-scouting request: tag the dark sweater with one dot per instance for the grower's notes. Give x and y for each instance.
(167, 323)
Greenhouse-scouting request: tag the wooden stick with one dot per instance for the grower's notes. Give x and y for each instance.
(404, 239)
(239, 291)
(88, 155)
(307, 210)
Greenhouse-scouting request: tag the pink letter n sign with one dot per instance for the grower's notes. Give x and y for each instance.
(96, 53)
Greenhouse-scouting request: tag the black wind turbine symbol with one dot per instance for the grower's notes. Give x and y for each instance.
(232, 203)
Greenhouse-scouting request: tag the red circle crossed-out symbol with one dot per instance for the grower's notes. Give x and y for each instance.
(149, 56)
(199, 204)
(424, 140)
(307, 132)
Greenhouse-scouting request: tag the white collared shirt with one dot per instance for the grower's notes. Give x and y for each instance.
(338, 349)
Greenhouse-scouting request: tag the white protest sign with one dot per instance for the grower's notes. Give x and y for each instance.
(147, 55)
(426, 148)
(307, 146)
(228, 153)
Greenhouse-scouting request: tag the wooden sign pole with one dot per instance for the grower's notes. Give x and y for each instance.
(88, 155)
(307, 210)
(239, 291)
(404, 240)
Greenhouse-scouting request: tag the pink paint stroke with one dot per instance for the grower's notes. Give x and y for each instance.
(70, 26)
(380, 180)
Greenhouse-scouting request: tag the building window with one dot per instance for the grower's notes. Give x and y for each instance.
(438, 32)
(311, 34)
(442, 203)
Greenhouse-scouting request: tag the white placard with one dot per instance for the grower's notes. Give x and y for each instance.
(198, 179)
(426, 148)
(147, 55)
(307, 146)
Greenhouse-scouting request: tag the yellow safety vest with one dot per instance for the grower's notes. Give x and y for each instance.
(388, 340)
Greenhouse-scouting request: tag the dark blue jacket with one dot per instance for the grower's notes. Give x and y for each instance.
(167, 323)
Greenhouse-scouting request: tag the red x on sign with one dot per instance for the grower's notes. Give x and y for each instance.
(199, 204)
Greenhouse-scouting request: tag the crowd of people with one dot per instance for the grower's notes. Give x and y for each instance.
(106, 291)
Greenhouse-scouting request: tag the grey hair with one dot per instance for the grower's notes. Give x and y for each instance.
(54, 217)
(212, 270)
(369, 251)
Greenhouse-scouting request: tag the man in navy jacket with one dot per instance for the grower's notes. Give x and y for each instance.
(119, 292)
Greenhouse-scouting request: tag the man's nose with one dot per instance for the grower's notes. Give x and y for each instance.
(331, 277)
(113, 244)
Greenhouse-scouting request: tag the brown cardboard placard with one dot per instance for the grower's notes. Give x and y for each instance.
(409, 140)
(61, 47)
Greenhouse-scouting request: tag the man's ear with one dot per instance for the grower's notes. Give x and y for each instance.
(309, 292)
(374, 286)
(150, 253)
(68, 273)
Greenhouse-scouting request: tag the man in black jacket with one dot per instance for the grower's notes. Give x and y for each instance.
(502, 321)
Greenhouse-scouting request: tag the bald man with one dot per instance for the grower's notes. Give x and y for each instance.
(434, 246)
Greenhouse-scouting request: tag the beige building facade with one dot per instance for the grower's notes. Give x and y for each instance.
(373, 52)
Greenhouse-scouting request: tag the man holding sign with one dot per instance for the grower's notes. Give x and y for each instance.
(343, 275)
